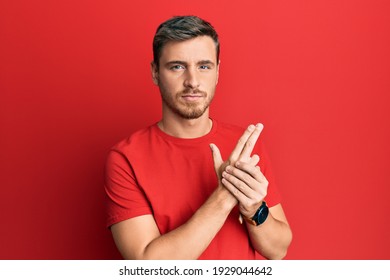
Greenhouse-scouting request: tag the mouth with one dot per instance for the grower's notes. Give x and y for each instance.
(192, 96)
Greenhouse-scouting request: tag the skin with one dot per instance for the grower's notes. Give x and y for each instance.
(187, 78)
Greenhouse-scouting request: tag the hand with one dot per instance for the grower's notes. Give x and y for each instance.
(242, 151)
(248, 185)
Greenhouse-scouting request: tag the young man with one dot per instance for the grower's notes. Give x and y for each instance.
(172, 197)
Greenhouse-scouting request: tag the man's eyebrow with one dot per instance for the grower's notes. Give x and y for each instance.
(206, 61)
(201, 62)
(176, 62)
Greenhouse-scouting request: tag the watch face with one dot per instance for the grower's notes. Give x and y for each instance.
(262, 214)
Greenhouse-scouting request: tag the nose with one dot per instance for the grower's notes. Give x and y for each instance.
(191, 79)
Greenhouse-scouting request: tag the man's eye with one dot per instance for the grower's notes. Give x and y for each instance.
(205, 67)
(177, 67)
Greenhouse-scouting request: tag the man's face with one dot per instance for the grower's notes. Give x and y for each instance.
(187, 76)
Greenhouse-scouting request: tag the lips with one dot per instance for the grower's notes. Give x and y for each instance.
(192, 97)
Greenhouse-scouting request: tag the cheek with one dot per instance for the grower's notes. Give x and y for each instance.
(212, 83)
(212, 80)
(170, 83)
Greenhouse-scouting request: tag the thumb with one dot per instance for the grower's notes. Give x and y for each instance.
(217, 158)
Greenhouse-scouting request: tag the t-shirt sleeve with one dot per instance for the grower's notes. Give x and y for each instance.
(273, 196)
(124, 198)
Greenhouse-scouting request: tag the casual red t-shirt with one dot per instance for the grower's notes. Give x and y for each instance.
(154, 173)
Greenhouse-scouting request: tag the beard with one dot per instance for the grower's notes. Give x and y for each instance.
(187, 109)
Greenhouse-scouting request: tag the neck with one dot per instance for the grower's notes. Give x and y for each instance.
(184, 128)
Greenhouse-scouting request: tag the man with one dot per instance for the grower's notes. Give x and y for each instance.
(169, 195)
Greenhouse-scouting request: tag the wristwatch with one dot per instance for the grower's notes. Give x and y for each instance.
(260, 215)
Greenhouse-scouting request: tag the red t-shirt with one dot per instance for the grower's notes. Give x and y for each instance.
(154, 173)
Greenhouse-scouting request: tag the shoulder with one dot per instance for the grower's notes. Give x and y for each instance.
(122, 156)
(134, 141)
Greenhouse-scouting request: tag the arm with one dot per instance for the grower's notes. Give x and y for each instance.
(139, 237)
(247, 183)
(272, 238)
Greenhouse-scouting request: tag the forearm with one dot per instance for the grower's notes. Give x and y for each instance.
(271, 239)
(191, 239)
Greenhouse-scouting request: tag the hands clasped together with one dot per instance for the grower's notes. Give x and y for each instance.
(240, 174)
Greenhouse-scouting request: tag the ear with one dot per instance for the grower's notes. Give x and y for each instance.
(219, 63)
(154, 71)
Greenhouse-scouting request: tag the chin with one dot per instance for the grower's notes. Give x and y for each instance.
(192, 114)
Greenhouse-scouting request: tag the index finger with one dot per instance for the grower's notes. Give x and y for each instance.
(241, 144)
(243, 147)
(250, 143)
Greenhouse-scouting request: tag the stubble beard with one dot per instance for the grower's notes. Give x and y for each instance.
(187, 110)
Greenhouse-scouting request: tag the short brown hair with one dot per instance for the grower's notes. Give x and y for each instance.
(182, 28)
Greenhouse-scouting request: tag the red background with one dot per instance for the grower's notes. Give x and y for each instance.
(74, 80)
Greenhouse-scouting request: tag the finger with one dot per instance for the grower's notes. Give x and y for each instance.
(235, 191)
(254, 160)
(250, 143)
(240, 184)
(246, 193)
(241, 143)
(236, 176)
(247, 204)
(253, 171)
